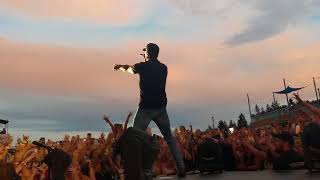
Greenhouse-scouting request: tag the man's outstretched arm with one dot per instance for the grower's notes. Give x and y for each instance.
(124, 68)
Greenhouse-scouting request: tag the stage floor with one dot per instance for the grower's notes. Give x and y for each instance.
(252, 175)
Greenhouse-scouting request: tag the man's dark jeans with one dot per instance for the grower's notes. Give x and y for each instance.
(160, 117)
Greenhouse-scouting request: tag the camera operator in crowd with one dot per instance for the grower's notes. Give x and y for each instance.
(138, 151)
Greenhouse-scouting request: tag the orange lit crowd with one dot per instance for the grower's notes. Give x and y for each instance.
(250, 149)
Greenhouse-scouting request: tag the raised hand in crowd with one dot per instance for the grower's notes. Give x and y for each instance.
(66, 138)
(102, 139)
(108, 121)
(313, 109)
(127, 121)
(21, 150)
(3, 152)
(23, 166)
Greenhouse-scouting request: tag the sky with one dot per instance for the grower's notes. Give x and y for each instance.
(56, 58)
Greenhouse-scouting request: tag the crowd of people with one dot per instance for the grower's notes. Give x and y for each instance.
(246, 149)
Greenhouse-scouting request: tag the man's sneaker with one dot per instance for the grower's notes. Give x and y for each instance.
(181, 173)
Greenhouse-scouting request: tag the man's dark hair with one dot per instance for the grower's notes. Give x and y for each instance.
(58, 161)
(152, 49)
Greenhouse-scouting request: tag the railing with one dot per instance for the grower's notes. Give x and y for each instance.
(275, 115)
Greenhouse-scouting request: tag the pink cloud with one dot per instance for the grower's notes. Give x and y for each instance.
(60, 70)
(199, 73)
(101, 11)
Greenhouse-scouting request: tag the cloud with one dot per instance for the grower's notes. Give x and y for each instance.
(251, 20)
(60, 113)
(60, 70)
(210, 19)
(71, 85)
(204, 8)
(273, 17)
(113, 12)
(231, 22)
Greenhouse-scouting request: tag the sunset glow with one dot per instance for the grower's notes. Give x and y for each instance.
(57, 57)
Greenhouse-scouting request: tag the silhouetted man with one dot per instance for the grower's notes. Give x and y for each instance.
(153, 99)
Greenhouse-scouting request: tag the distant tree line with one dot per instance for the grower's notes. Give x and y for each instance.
(241, 123)
(274, 106)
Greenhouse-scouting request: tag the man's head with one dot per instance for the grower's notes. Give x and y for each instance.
(42, 140)
(182, 129)
(58, 161)
(151, 51)
(89, 136)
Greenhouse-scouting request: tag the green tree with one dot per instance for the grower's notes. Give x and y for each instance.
(232, 124)
(222, 125)
(242, 122)
(257, 109)
(275, 105)
(268, 108)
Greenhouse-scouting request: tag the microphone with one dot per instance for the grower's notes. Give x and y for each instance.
(42, 145)
(143, 57)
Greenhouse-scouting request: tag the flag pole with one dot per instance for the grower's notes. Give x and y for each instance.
(315, 88)
(274, 98)
(212, 118)
(285, 87)
(249, 108)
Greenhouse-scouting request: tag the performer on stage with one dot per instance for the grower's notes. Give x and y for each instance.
(153, 99)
